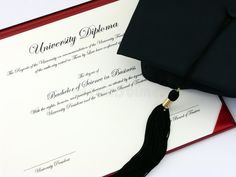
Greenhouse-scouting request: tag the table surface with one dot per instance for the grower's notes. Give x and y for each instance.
(214, 157)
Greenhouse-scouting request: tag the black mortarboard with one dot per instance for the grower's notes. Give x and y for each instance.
(168, 35)
(181, 44)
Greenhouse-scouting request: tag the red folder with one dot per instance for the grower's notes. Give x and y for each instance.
(225, 120)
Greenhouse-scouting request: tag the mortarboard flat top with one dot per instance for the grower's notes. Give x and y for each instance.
(168, 36)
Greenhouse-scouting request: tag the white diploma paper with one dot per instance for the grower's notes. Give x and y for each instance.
(70, 106)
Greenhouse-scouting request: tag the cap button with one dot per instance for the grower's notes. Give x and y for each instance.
(173, 95)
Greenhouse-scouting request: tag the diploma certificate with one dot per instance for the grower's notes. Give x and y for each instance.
(70, 106)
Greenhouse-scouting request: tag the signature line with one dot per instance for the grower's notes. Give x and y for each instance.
(49, 161)
(184, 110)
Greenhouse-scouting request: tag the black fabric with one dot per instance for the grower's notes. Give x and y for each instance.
(154, 146)
(168, 35)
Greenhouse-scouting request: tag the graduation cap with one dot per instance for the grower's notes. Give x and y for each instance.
(181, 44)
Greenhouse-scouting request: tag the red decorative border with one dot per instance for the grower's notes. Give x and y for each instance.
(225, 121)
(26, 26)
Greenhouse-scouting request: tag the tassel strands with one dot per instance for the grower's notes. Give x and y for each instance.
(155, 142)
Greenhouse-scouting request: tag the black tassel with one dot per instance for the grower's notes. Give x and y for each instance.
(155, 142)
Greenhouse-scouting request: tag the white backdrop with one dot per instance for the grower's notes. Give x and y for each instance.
(214, 157)
(18, 11)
